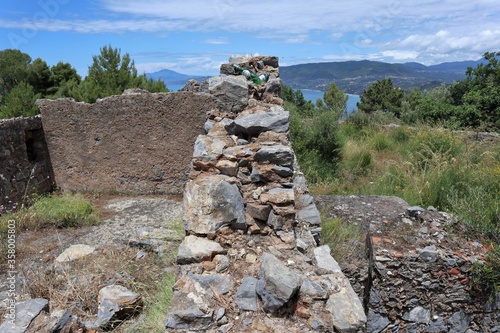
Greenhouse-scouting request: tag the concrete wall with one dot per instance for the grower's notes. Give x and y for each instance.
(139, 143)
(24, 160)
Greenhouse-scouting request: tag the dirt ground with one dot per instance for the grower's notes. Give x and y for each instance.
(74, 286)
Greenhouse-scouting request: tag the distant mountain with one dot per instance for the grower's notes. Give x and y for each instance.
(355, 76)
(173, 78)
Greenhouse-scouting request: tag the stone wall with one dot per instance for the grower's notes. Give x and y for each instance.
(24, 160)
(251, 262)
(137, 142)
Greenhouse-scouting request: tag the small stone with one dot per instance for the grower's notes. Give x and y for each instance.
(376, 322)
(459, 322)
(246, 295)
(325, 261)
(196, 249)
(414, 211)
(220, 313)
(418, 315)
(116, 303)
(221, 263)
(429, 254)
(74, 252)
(25, 312)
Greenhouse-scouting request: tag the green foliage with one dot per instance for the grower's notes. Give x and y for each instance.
(111, 73)
(64, 81)
(485, 277)
(14, 69)
(381, 96)
(316, 142)
(68, 210)
(343, 238)
(296, 99)
(39, 76)
(19, 101)
(157, 305)
(335, 99)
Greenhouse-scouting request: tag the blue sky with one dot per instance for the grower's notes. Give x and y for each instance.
(196, 36)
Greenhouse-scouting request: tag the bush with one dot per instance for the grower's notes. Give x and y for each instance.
(485, 277)
(317, 143)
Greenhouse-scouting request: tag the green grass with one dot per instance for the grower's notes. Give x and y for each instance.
(67, 210)
(342, 237)
(156, 306)
(424, 166)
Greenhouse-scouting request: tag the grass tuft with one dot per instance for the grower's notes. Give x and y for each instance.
(342, 237)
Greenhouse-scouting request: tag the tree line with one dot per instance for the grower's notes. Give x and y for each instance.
(472, 103)
(23, 80)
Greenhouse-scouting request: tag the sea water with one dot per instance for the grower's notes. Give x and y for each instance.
(313, 95)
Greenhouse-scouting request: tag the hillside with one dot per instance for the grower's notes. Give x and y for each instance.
(173, 78)
(355, 76)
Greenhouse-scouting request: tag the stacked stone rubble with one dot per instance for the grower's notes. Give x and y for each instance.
(250, 261)
(421, 269)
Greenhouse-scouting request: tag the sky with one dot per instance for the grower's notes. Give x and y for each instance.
(196, 36)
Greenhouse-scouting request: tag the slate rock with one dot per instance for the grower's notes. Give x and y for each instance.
(429, 254)
(259, 212)
(312, 290)
(116, 303)
(324, 259)
(26, 312)
(230, 92)
(376, 322)
(195, 249)
(277, 283)
(273, 87)
(436, 326)
(58, 321)
(246, 295)
(211, 202)
(278, 154)
(208, 148)
(414, 211)
(253, 124)
(309, 214)
(279, 196)
(418, 315)
(185, 313)
(459, 322)
(282, 171)
(221, 284)
(221, 263)
(344, 305)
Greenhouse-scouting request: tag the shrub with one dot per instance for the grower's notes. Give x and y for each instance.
(485, 277)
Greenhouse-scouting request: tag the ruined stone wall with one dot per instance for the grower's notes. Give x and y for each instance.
(251, 261)
(24, 160)
(137, 142)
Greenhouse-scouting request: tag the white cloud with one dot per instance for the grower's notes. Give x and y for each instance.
(398, 30)
(205, 64)
(400, 55)
(216, 41)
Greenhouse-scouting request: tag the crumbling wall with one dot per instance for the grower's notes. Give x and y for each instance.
(137, 142)
(24, 160)
(251, 262)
